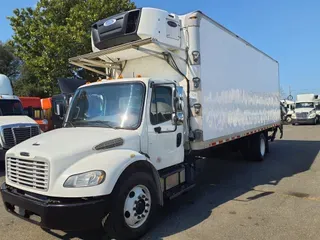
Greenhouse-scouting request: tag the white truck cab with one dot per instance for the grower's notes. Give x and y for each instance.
(306, 109)
(15, 127)
(289, 105)
(128, 141)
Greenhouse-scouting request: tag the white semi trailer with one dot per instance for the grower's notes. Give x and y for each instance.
(174, 85)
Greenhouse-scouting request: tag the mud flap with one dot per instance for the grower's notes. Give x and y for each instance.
(273, 136)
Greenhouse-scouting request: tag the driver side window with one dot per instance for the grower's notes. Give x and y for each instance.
(161, 105)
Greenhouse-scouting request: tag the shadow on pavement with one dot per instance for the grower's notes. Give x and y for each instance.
(225, 179)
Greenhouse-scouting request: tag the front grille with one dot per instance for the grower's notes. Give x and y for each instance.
(15, 135)
(302, 115)
(29, 173)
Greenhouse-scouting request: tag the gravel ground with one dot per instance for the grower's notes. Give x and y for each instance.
(275, 199)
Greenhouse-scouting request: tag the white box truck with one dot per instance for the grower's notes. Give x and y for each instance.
(15, 127)
(174, 85)
(307, 109)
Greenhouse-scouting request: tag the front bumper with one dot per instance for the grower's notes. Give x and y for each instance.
(65, 214)
(303, 121)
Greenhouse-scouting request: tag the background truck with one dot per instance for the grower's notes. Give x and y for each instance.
(60, 102)
(289, 105)
(175, 85)
(306, 108)
(32, 107)
(15, 127)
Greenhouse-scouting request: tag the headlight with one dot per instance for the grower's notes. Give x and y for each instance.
(87, 179)
(312, 115)
(45, 121)
(293, 115)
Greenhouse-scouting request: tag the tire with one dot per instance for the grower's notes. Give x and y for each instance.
(288, 119)
(255, 147)
(125, 196)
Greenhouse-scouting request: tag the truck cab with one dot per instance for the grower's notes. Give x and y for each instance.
(32, 107)
(15, 126)
(306, 108)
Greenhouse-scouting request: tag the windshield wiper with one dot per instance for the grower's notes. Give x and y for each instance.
(71, 124)
(100, 123)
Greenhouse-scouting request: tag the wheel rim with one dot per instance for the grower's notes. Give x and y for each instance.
(262, 147)
(137, 206)
(289, 119)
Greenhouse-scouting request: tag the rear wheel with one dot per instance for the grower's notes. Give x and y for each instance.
(255, 147)
(133, 208)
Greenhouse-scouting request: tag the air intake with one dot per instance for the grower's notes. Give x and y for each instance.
(110, 144)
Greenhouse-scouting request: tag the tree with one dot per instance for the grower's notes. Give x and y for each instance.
(27, 84)
(47, 36)
(8, 62)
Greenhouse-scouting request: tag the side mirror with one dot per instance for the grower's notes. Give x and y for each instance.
(179, 104)
(177, 118)
(59, 109)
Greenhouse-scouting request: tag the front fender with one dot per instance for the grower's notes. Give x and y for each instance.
(113, 162)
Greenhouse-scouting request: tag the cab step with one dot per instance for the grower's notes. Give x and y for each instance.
(178, 190)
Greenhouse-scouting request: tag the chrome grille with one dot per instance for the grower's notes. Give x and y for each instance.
(15, 135)
(302, 115)
(29, 173)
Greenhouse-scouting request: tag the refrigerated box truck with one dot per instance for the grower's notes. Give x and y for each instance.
(174, 85)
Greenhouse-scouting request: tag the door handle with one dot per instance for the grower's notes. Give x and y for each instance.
(157, 129)
(179, 139)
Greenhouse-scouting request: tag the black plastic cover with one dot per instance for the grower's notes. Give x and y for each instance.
(70, 85)
(118, 29)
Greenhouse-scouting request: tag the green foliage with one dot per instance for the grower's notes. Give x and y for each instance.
(27, 84)
(8, 62)
(47, 36)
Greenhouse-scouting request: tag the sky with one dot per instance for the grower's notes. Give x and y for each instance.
(287, 30)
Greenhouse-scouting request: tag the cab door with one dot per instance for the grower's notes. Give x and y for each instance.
(165, 145)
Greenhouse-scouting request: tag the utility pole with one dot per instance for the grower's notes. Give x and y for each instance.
(289, 90)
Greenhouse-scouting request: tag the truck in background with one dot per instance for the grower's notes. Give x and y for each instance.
(306, 108)
(46, 105)
(60, 102)
(32, 107)
(175, 85)
(15, 126)
(289, 105)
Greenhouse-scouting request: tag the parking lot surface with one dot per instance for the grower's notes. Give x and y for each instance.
(234, 199)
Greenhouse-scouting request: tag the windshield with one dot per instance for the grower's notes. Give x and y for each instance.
(114, 105)
(10, 107)
(305, 105)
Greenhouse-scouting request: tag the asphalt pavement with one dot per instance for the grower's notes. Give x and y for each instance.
(234, 199)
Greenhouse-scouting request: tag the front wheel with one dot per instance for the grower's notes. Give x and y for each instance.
(288, 119)
(134, 207)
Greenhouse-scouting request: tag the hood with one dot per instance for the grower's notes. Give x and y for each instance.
(7, 120)
(303, 110)
(71, 144)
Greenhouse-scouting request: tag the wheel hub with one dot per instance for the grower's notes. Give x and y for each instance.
(140, 206)
(137, 206)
